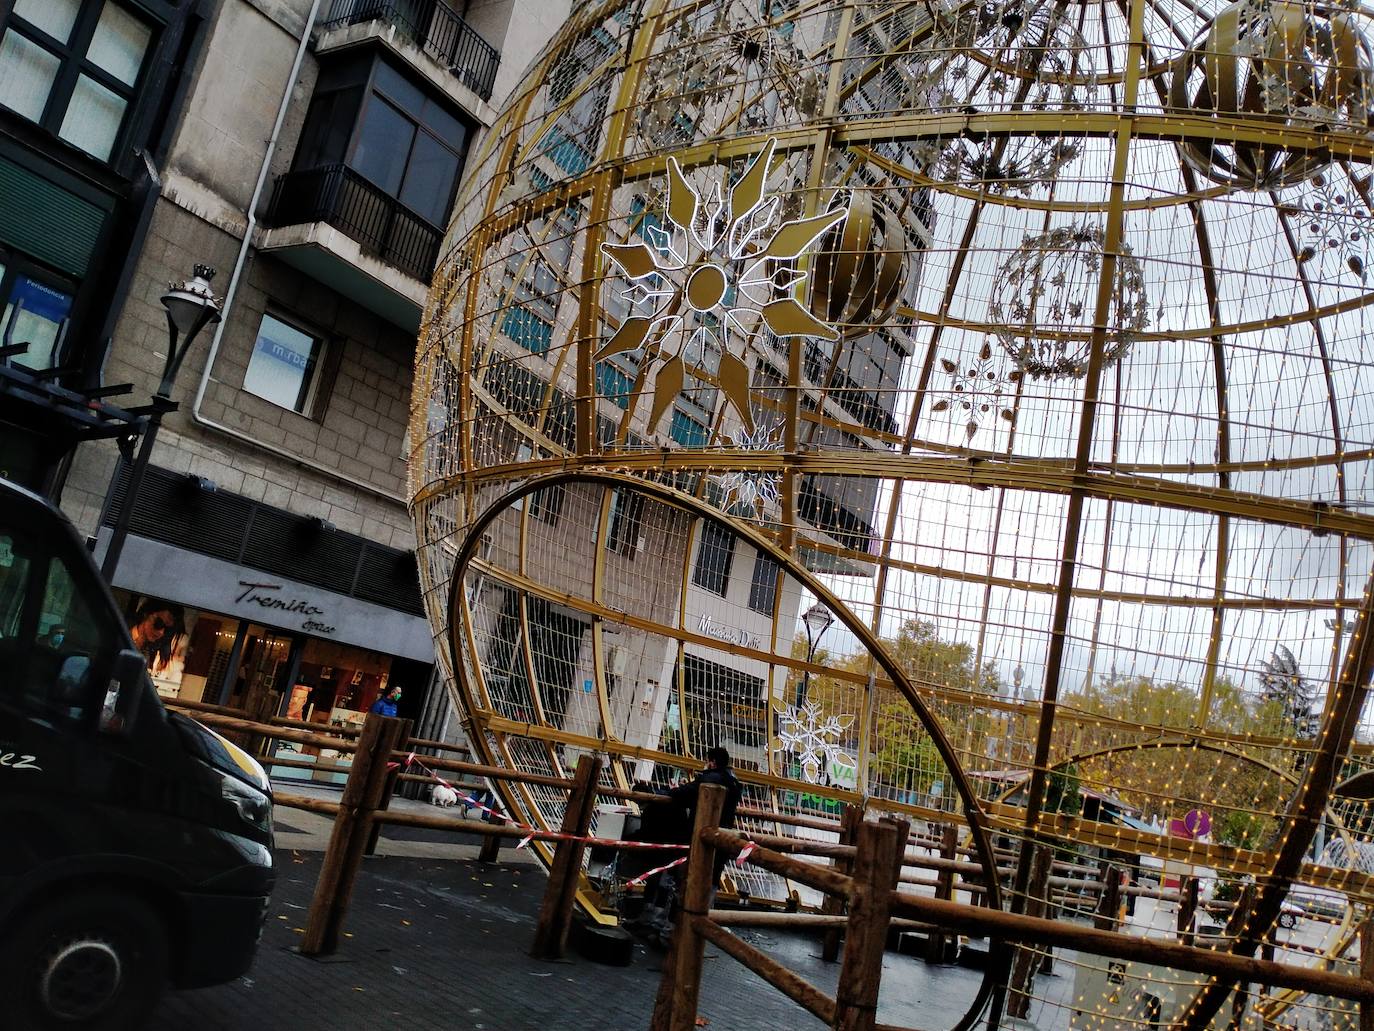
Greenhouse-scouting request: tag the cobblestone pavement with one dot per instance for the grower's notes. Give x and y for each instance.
(441, 943)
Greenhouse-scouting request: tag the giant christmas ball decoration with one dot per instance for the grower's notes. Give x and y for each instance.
(860, 266)
(1032, 353)
(1295, 64)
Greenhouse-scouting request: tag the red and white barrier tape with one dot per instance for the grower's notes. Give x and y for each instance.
(657, 870)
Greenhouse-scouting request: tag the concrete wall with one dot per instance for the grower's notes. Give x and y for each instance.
(519, 29)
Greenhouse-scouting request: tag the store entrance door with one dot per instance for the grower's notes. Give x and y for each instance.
(258, 682)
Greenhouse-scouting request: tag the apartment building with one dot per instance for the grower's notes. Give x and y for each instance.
(310, 151)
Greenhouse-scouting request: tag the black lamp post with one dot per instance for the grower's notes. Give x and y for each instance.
(817, 620)
(190, 308)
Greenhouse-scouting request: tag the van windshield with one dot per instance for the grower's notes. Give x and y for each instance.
(52, 640)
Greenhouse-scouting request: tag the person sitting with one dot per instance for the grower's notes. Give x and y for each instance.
(672, 817)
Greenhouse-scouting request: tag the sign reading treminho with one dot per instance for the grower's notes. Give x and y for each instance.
(261, 594)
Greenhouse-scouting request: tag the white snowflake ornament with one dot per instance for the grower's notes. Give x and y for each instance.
(813, 738)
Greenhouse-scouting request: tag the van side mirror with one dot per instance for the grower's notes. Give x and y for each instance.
(124, 692)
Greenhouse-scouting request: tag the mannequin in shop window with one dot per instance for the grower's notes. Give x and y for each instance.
(386, 705)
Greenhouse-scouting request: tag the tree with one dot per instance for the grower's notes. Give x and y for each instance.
(1289, 692)
(904, 756)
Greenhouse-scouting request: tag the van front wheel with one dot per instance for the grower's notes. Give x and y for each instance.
(92, 961)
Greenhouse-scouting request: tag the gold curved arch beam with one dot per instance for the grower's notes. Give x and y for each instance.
(460, 628)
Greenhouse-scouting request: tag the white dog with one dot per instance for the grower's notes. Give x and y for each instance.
(443, 796)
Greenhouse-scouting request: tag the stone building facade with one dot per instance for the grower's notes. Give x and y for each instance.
(313, 160)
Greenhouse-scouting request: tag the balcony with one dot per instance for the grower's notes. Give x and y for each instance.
(433, 28)
(387, 253)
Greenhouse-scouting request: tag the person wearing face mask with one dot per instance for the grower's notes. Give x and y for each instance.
(53, 639)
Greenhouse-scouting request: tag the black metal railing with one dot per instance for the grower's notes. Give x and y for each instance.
(339, 196)
(433, 27)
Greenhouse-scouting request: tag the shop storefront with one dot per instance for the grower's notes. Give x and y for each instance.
(212, 631)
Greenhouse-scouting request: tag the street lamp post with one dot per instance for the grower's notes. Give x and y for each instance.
(190, 308)
(817, 620)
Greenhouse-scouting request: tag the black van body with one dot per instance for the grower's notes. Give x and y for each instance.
(135, 848)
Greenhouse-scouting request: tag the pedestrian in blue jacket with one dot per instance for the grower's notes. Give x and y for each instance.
(386, 705)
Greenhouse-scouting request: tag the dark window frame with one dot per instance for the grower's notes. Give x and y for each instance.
(715, 558)
(14, 264)
(73, 63)
(546, 504)
(361, 76)
(763, 584)
(624, 522)
(319, 380)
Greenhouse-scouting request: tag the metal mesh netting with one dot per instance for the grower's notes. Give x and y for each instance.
(955, 407)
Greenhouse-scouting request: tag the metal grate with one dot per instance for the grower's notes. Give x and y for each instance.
(173, 509)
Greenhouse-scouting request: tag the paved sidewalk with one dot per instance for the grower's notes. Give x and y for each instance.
(435, 940)
(441, 944)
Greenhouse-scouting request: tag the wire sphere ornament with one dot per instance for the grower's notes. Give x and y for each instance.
(995, 56)
(721, 67)
(1333, 219)
(1295, 63)
(1042, 302)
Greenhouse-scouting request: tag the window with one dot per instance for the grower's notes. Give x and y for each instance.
(622, 535)
(284, 365)
(546, 504)
(34, 313)
(51, 640)
(763, 588)
(614, 384)
(72, 68)
(714, 556)
(369, 116)
(686, 430)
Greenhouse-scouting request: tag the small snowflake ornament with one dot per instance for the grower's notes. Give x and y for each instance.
(752, 489)
(813, 738)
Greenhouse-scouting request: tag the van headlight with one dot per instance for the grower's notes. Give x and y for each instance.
(254, 806)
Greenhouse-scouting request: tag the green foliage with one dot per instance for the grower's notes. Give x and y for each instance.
(1242, 829)
(904, 756)
(1064, 790)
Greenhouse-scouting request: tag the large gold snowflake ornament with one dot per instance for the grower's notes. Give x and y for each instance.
(709, 277)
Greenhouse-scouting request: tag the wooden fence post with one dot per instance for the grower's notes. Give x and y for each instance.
(1367, 971)
(362, 793)
(555, 914)
(1187, 909)
(875, 877)
(1109, 901)
(388, 789)
(491, 847)
(851, 816)
(937, 944)
(676, 1006)
(1026, 958)
(903, 827)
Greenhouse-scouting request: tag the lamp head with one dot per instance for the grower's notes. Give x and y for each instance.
(817, 620)
(190, 308)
